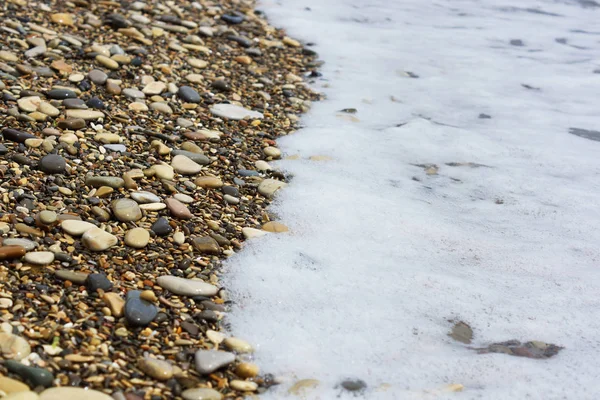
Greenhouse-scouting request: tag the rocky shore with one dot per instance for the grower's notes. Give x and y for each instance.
(134, 157)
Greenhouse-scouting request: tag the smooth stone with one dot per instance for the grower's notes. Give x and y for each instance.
(53, 164)
(11, 252)
(97, 239)
(97, 76)
(161, 227)
(139, 312)
(61, 94)
(115, 303)
(157, 369)
(17, 136)
(126, 210)
(13, 346)
(76, 228)
(232, 19)
(73, 124)
(97, 281)
(25, 243)
(138, 106)
(243, 386)
(153, 206)
(137, 238)
(73, 276)
(120, 148)
(268, 187)
(96, 103)
(184, 198)
(250, 233)
(32, 375)
(201, 394)
(84, 114)
(74, 393)
(107, 138)
(107, 62)
(185, 166)
(39, 257)
(186, 287)
(133, 93)
(161, 107)
(110, 181)
(163, 171)
(22, 396)
(237, 345)
(29, 103)
(231, 199)
(208, 361)
(179, 237)
(211, 182)
(231, 111)
(75, 104)
(274, 226)
(231, 190)
(246, 370)
(189, 94)
(271, 151)
(206, 245)
(155, 87)
(197, 63)
(178, 209)
(195, 157)
(144, 197)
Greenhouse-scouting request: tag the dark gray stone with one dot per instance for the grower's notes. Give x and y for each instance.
(34, 376)
(98, 281)
(161, 227)
(139, 312)
(61, 94)
(17, 136)
(76, 104)
(53, 164)
(188, 94)
(585, 133)
(195, 157)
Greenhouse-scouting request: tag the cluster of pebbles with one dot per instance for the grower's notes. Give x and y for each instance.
(134, 157)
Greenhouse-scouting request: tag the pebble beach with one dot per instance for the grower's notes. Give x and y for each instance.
(135, 156)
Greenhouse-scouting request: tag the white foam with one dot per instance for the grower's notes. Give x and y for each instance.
(377, 263)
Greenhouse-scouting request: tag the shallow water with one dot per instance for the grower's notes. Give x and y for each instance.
(465, 188)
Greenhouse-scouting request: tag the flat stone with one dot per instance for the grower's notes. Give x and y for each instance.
(211, 182)
(14, 135)
(97, 76)
(268, 187)
(126, 210)
(133, 93)
(250, 233)
(161, 227)
(161, 107)
(75, 104)
(206, 245)
(14, 347)
(178, 209)
(231, 111)
(115, 303)
(9, 385)
(153, 206)
(73, 276)
(61, 94)
(198, 158)
(22, 396)
(188, 94)
(25, 243)
(120, 148)
(184, 165)
(68, 393)
(73, 124)
(201, 394)
(39, 257)
(139, 312)
(97, 239)
(111, 181)
(86, 115)
(144, 197)
(243, 386)
(275, 227)
(107, 138)
(247, 370)
(156, 87)
(53, 164)
(107, 62)
(157, 369)
(32, 375)
(186, 287)
(184, 198)
(271, 151)
(208, 361)
(11, 252)
(197, 63)
(62, 18)
(163, 171)
(137, 238)
(98, 281)
(29, 103)
(238, 345)
(76, 228)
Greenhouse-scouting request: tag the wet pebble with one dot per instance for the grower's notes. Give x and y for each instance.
(139, 312)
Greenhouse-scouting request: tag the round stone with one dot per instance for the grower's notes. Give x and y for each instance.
(231, 111)
(144, 197)
(133, 93)
(39, 257)
(188, 94)
(179, 237)
(14, 347)
(268, 187)
(178, 209)
(271, 151)
(139, 312)
(157, 369)
(107, 62)
(161, 107)
(243, 386)
(161, 227)
(184, 198)
(137, 238)
(97, 76)
(246, 370)
(208, 361)
(197, 63)
(126, 210)
(48, 217)
(163, 171)
(238, 345)
(53, 164)
(155, 87)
